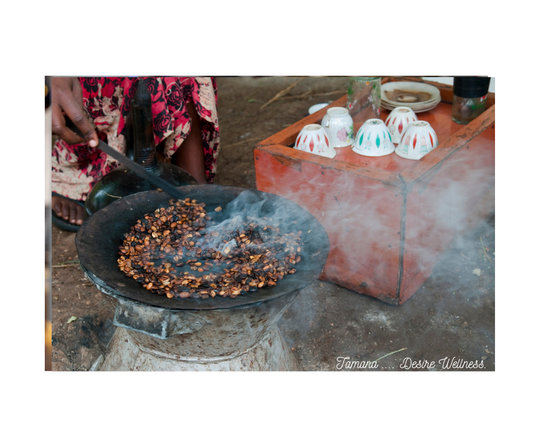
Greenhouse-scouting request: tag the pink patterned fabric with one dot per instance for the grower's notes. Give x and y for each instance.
(77, 167)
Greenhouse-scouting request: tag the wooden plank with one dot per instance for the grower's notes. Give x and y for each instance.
(294, 157)
(449, 146)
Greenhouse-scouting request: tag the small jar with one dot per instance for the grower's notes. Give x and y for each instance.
(469, 97)
(364, 98)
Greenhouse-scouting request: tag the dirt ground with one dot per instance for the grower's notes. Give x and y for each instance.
(451, 316)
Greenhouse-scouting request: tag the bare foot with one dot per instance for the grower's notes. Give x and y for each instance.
(68, 210)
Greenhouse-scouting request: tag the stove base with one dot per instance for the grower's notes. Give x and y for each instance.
(125, 354)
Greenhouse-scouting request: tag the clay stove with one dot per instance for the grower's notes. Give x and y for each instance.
(212, 334)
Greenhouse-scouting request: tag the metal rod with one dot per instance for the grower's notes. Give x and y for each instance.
(130, 164)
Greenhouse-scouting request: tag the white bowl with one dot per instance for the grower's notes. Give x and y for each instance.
(373, 139)
(317, 107)
(339, 125)
(314, 139)
(418, 140)
(398, 122)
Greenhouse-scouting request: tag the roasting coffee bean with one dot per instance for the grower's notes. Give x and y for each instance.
(156, 246)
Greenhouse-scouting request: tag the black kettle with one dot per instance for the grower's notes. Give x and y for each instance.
(140, 146)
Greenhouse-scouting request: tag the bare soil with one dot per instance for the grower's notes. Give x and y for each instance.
(451, 316)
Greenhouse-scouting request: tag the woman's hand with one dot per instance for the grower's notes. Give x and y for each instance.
(67, 97)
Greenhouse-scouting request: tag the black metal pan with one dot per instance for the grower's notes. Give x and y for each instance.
(99, 237)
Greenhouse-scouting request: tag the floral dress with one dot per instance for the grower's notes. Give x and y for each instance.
(77, 167)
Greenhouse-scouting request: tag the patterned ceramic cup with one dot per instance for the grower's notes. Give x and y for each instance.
(314, 139)
(398, 122)
(373, 139)
(339, 124)
(418, 140)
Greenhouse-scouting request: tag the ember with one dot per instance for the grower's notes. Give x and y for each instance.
(244, 259)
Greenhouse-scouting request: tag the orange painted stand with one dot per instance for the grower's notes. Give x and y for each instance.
(388, 219)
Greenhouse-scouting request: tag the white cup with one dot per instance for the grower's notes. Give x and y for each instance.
(339, 124)
(398, 122)
(418, 140)
(313, 138)
(373, 139)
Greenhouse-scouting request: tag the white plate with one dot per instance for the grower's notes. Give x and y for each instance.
(415, 108)
(411, 105)
(407, 94)
(408, 104)
(425, 109)
(415, 105)
(317, 107)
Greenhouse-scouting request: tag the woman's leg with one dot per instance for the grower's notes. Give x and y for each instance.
(190, 154)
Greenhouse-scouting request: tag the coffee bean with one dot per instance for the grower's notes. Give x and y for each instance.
(152, 253)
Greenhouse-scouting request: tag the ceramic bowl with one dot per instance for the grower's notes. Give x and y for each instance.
(314, 139)
(418, 140)
(373, 139)
(398, 122)
(339, 125)
(317, 107)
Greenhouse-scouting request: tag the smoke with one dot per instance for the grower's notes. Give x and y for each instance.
(248, 207)
(387, 235)
(444, 206)
(253, 227)
(271, 216)
(383, 233)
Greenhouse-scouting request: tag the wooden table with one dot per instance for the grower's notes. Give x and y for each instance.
(388, 219)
